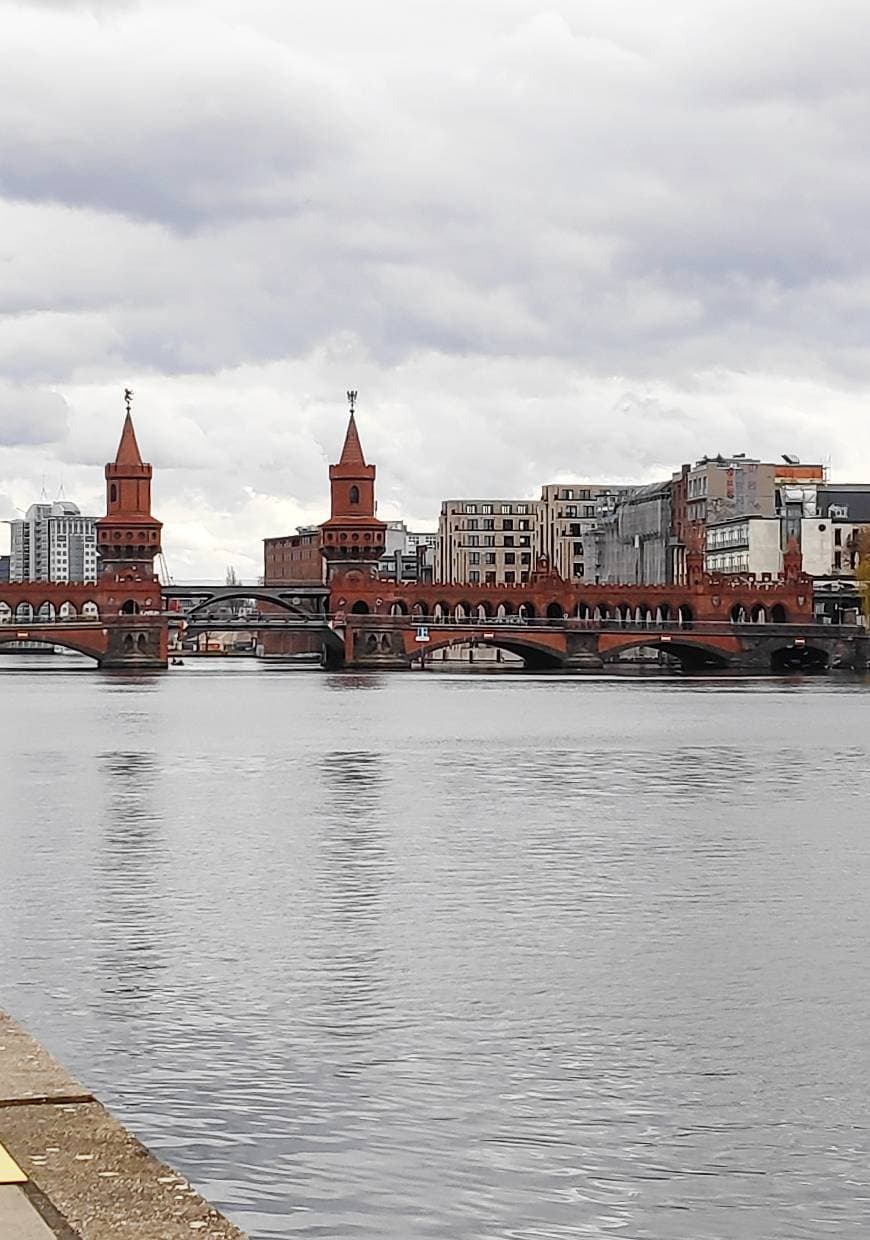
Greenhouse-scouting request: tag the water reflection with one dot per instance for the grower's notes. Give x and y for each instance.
(353, 868)
(477, 959)
(130, 914)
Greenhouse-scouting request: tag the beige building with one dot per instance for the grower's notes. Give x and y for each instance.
(487, 541)
(568, 511)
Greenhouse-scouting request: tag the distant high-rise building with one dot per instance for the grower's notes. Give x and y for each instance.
(54, 542)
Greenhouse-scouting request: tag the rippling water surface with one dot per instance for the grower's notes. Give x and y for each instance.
(455, 956)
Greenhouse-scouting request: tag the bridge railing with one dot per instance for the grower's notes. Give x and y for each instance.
(500, 623)
(578, 624)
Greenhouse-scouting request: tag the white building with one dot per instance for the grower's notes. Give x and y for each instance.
(756, 545)
(54, 542)
(408, 556)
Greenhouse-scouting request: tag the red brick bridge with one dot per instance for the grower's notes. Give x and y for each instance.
(711, 621)
(118, 620)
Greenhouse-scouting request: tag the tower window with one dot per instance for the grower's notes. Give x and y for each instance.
(354, 495)
(113, 494)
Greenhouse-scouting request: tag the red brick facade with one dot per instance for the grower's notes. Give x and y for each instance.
(353, 534)
(295, 557)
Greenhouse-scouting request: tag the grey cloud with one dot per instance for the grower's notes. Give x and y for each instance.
(592, 242)
(30, 416)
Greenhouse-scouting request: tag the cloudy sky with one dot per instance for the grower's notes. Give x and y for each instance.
(543, 240)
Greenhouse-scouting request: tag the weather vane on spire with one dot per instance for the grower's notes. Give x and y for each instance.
(128, 398)
(351, 399)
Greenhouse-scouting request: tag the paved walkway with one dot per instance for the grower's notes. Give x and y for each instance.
(70, 1171)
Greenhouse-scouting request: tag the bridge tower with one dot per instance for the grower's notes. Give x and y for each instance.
(128, 536)
(353, 537)
(128, 541)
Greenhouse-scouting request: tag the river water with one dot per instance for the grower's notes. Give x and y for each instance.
(495, 957)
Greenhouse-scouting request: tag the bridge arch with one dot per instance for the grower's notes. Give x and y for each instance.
(536, 655)
(794, 658)
(275, 599)
(66, 641)
(692, 655)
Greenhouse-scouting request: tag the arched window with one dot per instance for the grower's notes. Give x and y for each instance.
(113, 494)
(354, 495)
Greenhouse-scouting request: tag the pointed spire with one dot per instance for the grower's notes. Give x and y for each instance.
(352, 453)
(128, 449)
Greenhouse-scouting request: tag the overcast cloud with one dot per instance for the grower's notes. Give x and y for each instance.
(542, 240)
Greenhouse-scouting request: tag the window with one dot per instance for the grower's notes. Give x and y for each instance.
(578, 548)
(510, 558)
(485, 508)
(490, 579)
(506, 508)
(488, 523)
(526, 558)
(473, 540)
(474, 557)
(524, 577)
(576, 530)
(471, 525)
(510, 578)
(490, 557)
(354, 495)
(525, 542)
(474, 575)
(471, 507)
(522, 508)
(579, 569)
(589, 510)
(507, 525)
(838, 559)
(508, 540)
(525, 525)
(489, 540)
(572, 511)
(838, 536)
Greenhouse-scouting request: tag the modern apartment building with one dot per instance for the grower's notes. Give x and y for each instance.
(489, 541)
(54, 542)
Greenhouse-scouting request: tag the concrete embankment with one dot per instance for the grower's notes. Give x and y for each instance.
(69, 1170)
